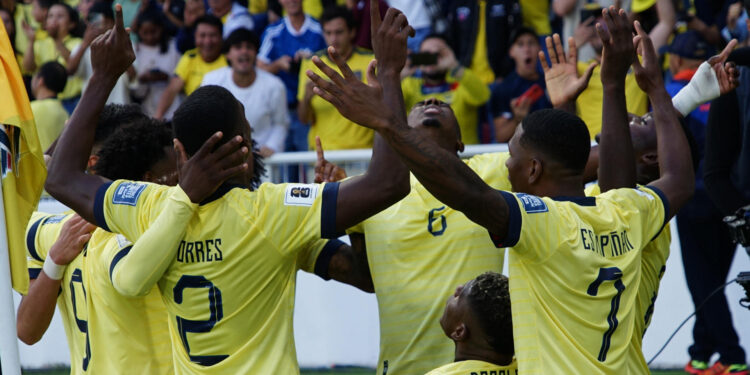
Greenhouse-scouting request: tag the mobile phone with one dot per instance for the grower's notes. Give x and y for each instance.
(591, 12)
(534, 93)
(423, 58)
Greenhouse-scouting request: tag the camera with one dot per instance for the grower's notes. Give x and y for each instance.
(739, 230)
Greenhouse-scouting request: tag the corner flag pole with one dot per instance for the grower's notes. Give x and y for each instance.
(9, 360)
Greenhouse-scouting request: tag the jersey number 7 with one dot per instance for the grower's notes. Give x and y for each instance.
(608, 274)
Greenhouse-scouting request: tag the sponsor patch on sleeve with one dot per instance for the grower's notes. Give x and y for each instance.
(123, 242)
(128, 193)
(300, 194)
(532, 204)
(54, 219)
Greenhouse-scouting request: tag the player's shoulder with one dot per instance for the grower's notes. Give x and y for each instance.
(624, 196)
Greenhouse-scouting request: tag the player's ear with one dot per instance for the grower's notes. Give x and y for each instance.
(92, 162)
(459, 146)
(460, 333)
(535, 170)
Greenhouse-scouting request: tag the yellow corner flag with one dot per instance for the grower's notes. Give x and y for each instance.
(23, 168)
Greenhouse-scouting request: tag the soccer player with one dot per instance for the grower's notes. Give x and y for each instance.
(234, 270)
(572, 255)
(477, 319)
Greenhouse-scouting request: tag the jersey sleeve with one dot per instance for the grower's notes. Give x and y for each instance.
(266, 48)
(292, 216)
(41, 233)
(317, 257)
(134, 270)
(645, 209)
(128, 207)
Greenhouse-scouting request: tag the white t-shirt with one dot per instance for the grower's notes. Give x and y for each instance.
(264, 101)
(572, 19)
(119, 94)
(415, 12)
(148, 58)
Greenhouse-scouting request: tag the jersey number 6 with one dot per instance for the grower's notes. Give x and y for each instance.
(186, 325)
(608, 274)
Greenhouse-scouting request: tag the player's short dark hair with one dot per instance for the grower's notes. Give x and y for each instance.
(115, 116)
(104, 8)
(559, 135)
(489, 299)
(46, 4)
(211, 21)
(334, 12)
(239, 36)
(133, 150)
(207, 110)
(54, 75)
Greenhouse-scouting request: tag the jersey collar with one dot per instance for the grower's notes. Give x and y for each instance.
(223, 189)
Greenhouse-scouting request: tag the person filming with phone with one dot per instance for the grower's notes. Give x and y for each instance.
(443, 77)
(523, 90)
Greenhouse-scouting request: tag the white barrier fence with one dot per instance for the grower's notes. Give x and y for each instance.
(335, 324)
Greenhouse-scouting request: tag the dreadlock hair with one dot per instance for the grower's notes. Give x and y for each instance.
(259, 167)
(559, 135)
(489, 299)
(133, 150)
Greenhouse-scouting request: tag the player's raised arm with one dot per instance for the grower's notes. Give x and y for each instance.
(616, 155)
(677, 178)
(67, 181)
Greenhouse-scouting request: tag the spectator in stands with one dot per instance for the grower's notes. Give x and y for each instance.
(49, 114)
(101, 19)
(83, 8)
(451, 83)
(195, 63)
(736, 28)
(361, 11)
(155, 57)
(707, 17)
(262, 94)
(185, 38)
(480, 31)
(232, 15)
(39, 10)
(418, 15)
(335, 131)
(570, 11)
(285, 45)
(478, 319)
(536, 16)
(63, 31)
(10, 27)
(523, 91)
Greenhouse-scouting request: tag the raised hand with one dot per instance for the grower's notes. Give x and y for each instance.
(561, 76)
(111, 52)
(326, 171)
(648, 71)
(73, 236)
(726, 72)
(359, 102)
(389, 38)
(205, 171)
(618, 52)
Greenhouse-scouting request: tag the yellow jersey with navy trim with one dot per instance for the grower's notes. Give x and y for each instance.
(653, 264)
(191, 68)
(41, 233)
(336, 132)
(229, 292)
(127, 335)
(575, 268)
(475, 367)
(419, 250)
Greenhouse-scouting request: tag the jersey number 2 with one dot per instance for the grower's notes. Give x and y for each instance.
(186, 325)
(615, 275)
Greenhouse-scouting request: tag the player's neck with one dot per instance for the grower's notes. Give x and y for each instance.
(568, 186)
(467, 351)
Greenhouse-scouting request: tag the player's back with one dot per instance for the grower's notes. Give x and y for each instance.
(419, 250)
(575, 269)
(230, 289)
(127, 335)
(41, 233)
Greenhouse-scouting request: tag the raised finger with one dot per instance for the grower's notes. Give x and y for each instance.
(327, 70)
(551, 50)
(319, 149)
(724, 53)
(119, 23)
(341, 63)
(327, 96)
(603, 34)
(610, 22)
(559, 48)
(321, 83)
(390, 14)
(572, 51)
(543, 61)
(374, 16)
(399, 22)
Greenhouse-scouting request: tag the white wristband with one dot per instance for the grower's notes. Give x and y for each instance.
(53, 270)
(702, 88)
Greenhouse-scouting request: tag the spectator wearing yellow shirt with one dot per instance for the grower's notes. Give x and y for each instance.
(63, 29)
(535, 14)
(39, 10)
(49, 114)
(449, 82)
(335, 131)
(195, 63)
(10, 27)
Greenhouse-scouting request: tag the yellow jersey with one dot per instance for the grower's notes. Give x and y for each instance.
(234, 270)
(191, 68)
(41, 233)
(419, 250)
(474, 367)
(653, 264)
(45, 51)
(465, 96)
(336, 132)
(575, 268)
(589, 103)
(126, 334)
(480, 63)
(50, 118)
